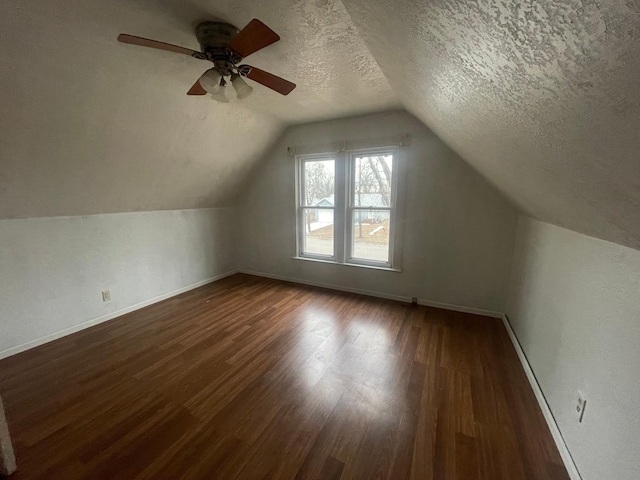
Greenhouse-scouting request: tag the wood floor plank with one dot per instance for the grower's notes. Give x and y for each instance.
(466, 464)
(249, 378)
(331, 470)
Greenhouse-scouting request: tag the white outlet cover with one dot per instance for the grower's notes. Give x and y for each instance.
(106, 295)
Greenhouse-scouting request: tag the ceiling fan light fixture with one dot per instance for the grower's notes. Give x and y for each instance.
(220, 95)
(242, 88)
(210, 81)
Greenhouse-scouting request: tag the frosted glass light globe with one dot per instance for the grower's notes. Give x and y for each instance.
(210, 81)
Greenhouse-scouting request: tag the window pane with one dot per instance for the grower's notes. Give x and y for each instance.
(319, 183)
(372, 181)
(318, 231)
(371, 235)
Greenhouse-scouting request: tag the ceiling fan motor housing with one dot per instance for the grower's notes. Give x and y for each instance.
(214, 38)
(215, 34)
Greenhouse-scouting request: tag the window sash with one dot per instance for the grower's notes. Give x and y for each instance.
(352, 208)
(303, 237)
(352, 176)
(351, 239)
(302, 206)
(302, 180)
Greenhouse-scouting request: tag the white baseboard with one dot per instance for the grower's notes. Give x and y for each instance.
(330, 286)
(569, 464)
(95, 321)
(370, 293)
(460, 308)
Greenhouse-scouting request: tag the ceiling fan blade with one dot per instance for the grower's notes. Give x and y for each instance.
(197, 89)
(145, 42)
(267, 79)
(253, 37)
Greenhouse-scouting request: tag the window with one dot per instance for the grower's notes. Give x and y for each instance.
(318, 205)
(347, 207)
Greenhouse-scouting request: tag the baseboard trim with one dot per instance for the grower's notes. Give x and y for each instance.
(104, 318)
(371, 293)
(569, 464)
(330, 286)
(460, 308)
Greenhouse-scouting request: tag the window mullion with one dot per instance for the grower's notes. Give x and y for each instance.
(352, 205)
(340, 210)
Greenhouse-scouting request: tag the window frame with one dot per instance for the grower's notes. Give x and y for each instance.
(301, 206)
(351, 208)
(344, 208)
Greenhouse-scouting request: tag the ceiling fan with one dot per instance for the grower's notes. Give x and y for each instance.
(225, 46)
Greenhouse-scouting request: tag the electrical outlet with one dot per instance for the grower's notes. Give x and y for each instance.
(106, 295)
(581, 405)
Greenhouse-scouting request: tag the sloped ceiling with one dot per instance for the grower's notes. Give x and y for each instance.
(89, 125)
(541, 97)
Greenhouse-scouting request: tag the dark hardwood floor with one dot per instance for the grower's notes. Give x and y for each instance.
(250, 378)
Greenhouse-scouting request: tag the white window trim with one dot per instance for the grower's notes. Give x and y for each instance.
(300, 207)
(343, 209)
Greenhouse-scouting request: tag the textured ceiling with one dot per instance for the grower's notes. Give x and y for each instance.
(541, 97)
(89, 125)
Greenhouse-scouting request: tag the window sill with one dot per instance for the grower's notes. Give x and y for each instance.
(332, 262)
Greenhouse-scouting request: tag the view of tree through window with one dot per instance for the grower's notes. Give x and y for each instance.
(371, 200)
(319, 180)
(319, 194)
(372, 186)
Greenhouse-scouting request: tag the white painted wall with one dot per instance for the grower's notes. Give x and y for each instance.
(574, 304)
(458, 231)
(53, 270)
